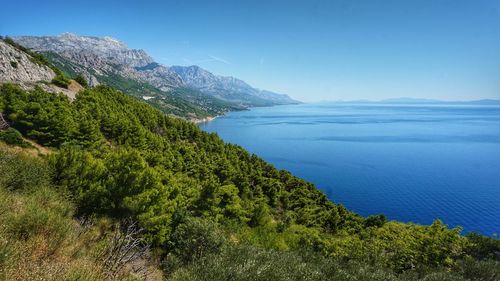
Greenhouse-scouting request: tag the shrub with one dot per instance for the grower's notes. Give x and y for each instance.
(13, 64)
(192, 240)
(61, 81)
(484, 270)
(13, 137)
(483, 247)
(20, 172)
(377, 221)
(82, 81)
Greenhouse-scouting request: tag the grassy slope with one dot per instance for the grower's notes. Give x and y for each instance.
(39, 237)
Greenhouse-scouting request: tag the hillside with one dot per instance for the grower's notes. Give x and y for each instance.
(105, 60)
(122, 191)
(29, 70)
(119, 157)
(228, 88)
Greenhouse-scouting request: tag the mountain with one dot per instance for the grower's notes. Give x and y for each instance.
(17, 66)
(104, 60)
(191, 94)
(424, 101)
(106, 187)
(433, 101)
(228, 88)
(95, 56)
(29, 70)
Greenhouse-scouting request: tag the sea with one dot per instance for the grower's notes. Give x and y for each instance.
(411, 162)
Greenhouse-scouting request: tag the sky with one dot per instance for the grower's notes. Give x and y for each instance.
(311, 50)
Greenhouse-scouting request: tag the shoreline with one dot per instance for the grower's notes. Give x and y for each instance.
(211, 118)
(204, 120)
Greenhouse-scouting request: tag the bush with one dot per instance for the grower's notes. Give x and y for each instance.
(13, 64)
(483, 247)
(82, 81)
(13, 137)
(43, 213)
(484, 270)
(192, 240)
(61, 81)
(376, 221)
(20, 172)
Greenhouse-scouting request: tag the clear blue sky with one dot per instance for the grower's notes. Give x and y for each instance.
(311, 50)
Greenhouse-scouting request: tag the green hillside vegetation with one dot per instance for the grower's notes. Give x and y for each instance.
(181, 102)
(41, 240)
(208, 210)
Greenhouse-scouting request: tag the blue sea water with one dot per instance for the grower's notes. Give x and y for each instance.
(413, 163)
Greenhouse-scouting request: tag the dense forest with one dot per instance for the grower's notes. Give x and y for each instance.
(108, 187)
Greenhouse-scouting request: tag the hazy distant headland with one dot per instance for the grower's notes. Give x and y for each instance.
(421, 101)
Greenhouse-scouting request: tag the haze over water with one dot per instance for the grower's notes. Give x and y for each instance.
(410, 162)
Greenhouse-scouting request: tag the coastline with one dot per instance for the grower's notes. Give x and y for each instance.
(204, 120)
(211, 118)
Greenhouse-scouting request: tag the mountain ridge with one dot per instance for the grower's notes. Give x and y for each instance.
(226, 87)
(96, 57)
(127, 190)
(405, 100)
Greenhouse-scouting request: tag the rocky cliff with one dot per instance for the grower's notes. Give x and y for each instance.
(96, 57)
(18, 67)
(105, 60)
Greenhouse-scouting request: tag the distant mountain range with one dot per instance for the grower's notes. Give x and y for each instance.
(227, 88)
(190, 91)
(425, 101)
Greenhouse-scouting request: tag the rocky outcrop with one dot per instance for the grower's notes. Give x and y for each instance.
(95, 57)
(18, 67)
(105, 47)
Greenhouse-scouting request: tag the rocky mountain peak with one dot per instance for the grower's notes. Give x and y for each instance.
(97, 57)
(100, 58)
(112, 49)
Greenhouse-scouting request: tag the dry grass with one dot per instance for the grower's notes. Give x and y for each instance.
(41, 240)
(34, 151)
(75, 86)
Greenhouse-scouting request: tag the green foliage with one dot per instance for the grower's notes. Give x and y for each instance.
(39, 239)
(182, 102)
(18, 172)
(245, 262)
(81, 80)
(193, 239)
(13, 64)
(376, 221)
(483, 247)
(61, 81)
(13, 137)
(222, 202)
(120, 157)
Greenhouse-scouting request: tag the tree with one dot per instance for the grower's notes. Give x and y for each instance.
(81, 80)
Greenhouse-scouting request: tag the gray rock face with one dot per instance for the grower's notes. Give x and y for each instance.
(99, 58)
(103, 56)
(111, 49)
(17, 67)
(228, 88)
